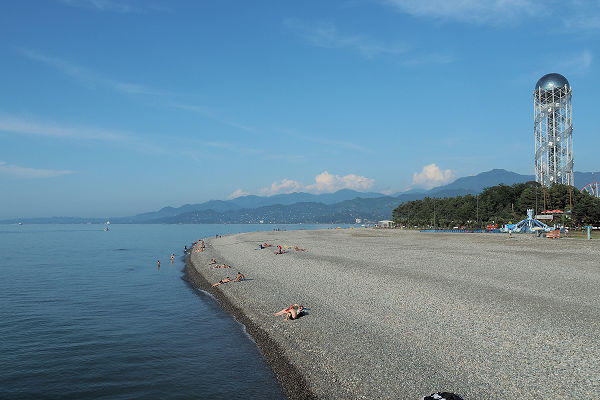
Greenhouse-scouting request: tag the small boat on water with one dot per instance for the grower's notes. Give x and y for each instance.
(107, 222)
(19, 223)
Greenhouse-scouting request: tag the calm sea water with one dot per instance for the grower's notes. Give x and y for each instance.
(86, 314)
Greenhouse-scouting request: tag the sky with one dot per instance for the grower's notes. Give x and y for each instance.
(117, 107)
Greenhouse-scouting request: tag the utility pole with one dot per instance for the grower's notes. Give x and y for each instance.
(536, 189)
(434, 212)
(477, 210)
(544, 190)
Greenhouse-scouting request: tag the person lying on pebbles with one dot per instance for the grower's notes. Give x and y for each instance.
(222, 266)
(292, 312)
(240, 277)
(212, 261)
(222, 281)
(299, 249)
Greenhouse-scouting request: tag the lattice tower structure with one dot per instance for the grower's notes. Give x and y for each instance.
(553, 130)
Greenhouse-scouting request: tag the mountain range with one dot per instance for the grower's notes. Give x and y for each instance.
(343, 206)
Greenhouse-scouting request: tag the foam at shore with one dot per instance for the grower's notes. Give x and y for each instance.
(401, 314)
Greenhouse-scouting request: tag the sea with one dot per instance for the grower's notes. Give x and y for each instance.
(85, 313)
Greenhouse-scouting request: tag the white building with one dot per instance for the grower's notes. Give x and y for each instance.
(386, 224)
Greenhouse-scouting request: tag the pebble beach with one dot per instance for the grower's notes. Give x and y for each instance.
(396, 314)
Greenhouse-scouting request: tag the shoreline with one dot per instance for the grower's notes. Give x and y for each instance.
(396, 314)
(293, 383)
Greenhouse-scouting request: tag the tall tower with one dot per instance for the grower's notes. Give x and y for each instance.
(553, 130)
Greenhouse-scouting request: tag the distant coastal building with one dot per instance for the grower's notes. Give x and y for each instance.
(553, 130)
(386, 224)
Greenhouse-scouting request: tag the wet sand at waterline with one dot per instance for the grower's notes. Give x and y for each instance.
(398, 314)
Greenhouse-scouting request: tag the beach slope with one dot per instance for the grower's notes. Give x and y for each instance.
(400, 314)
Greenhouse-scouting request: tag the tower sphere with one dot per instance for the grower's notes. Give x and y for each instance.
(551, 87)
(551, 82)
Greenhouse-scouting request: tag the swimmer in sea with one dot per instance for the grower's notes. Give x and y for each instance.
(158, 264)
(172, 257)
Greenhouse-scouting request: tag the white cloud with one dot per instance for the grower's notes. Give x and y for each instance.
(324, 183)
(87, 77)
(432, 176)
(237, 193)
(30, 173)
(33, 127)
(21, 126)
(285, 186)
(496, 12)
(326, 35)
(104, 5)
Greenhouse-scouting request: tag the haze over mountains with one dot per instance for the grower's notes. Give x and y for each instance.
(343, 206)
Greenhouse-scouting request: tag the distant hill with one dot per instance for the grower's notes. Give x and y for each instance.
(246, 202)
(343, 206)
(583, 178)
(475, 184)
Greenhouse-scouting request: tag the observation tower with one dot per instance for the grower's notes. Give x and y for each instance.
(553, 130)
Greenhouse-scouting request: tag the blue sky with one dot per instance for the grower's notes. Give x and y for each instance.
(114, 107)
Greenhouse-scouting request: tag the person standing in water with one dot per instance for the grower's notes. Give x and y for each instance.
(158, 264)
(172, 257)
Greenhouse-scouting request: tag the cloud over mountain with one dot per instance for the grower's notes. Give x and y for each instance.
(324, 183)
(431, 176)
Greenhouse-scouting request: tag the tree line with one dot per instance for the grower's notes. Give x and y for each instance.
(500, 204)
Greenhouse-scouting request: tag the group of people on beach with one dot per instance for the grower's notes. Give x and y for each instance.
(215, 265)
(240, 277)
(280, 249)
(294, 311)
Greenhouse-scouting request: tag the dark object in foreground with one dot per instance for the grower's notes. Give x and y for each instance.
(443, 396)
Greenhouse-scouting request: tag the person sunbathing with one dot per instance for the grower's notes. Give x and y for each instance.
(299, 249)
(222, 281)
(280, 251)
(267, 245)
(222, 266)
(292, 312)
(239, 277)
(212, 261)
